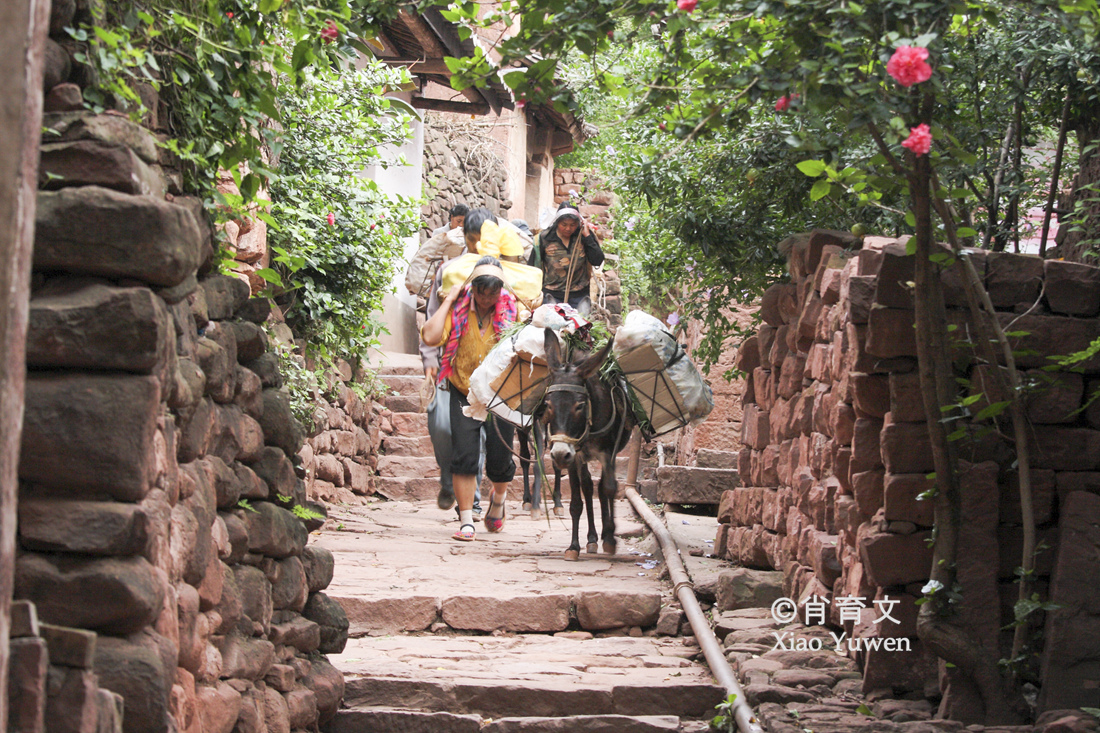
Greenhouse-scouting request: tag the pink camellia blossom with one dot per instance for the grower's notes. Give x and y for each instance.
(919, 140)
(782, 103)
(331, 219)
(673, 319)
(908, 65)
(687, 5)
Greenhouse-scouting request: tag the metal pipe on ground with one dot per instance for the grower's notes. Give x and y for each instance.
(719, 666)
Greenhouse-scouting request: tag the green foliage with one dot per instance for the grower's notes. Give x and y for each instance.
(256, 89)
(332, 277)
(244, 504)
(725, 721)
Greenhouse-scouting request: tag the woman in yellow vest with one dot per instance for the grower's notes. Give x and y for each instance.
(467, 325)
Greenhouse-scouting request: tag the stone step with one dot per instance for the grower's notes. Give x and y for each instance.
(405, 403)
(408, 466)
(688, 485)
(501, 611)
(389, 720)
(407, 445)
(408, 385)
(498, 698)
(707, 458)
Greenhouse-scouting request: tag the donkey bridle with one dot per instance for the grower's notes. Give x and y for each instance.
(582, 390)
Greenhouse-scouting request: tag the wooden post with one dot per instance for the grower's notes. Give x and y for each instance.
(23, 27)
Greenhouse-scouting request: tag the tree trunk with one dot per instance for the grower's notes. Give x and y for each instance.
(1079, 230)
(23, 26)
(934, 623)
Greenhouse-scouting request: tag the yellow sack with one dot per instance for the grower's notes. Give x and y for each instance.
(525, 282)
(501, 240)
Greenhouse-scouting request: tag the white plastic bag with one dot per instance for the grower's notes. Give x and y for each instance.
(511, 381)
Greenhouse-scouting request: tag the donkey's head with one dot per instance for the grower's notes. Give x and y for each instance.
(568, 406)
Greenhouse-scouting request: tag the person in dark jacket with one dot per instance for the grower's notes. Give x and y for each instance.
(567, 250)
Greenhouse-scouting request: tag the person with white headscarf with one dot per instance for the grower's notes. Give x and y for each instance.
(566, 251)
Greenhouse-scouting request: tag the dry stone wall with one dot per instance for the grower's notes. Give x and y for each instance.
(156, 536)
(836, 455)
(463, 164)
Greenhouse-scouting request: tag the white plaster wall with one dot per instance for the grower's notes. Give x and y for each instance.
(399, 307)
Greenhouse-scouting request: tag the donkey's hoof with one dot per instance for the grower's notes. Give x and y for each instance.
(573, 555)
(591, 548)
(526, 506)
(559, 511)
(608, 547)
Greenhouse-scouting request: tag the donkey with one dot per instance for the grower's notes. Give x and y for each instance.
(588, 420)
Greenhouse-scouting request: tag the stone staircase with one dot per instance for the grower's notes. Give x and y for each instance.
(501, 634)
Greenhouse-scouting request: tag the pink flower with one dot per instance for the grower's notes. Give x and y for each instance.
(908, 65)
(331, 219)
(330, 32)
(782, 103)
(687, 5)
(673, 319)
(229, 15)
(919, 140)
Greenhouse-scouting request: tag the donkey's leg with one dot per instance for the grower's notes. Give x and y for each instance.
(589, 505)
(576, 508)
(557, 493)
(538, 467)
(525, 464)
(609, 488)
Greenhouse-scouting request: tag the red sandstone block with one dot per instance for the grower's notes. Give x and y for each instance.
(769, 466)
(744, 461)
(1067, 481)
(790, 375)
(1011, 546)
(771, 511)
(867, 486)
(756, 431)
(842, 469)
(890, 333)
(906, 400)
(1051, 335)
(720, 539)
(844, 423)
(769, 304)
(871, 394)
(906, 447)
(901, 503)
(748, 355)
(894, 288)
(895, 559)
(1012, 279)
(1043, 490)
(1066, 449)
(818, 363)
(779, 348)
(1055, 398)
(766, 336)
(762, 387)
(1074, 590)
(866, 452)
(1072, 288)
(857, 293)
(725, 506)
(811, 314)
(823, 557)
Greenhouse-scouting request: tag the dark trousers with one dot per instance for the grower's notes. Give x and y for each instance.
(466, 436)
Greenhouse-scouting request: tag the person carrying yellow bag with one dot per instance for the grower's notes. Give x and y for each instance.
(489, 236)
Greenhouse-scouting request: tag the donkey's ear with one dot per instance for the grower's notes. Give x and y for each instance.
(591, 364)
(553, 349)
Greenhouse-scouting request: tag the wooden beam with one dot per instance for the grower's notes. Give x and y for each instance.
(423, 34)
(446, 105)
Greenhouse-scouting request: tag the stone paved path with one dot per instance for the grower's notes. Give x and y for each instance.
(449, 635)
